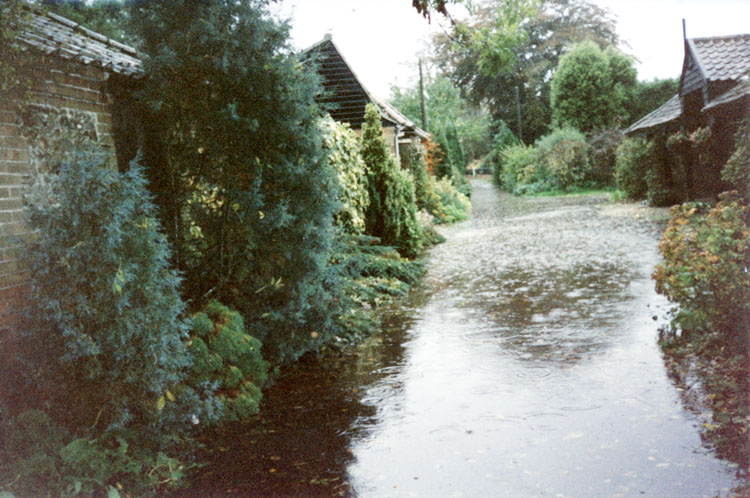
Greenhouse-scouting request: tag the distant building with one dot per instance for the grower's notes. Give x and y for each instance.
(345, 97)
(714, 92)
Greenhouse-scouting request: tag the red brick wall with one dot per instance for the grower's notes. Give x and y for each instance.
(58, 84)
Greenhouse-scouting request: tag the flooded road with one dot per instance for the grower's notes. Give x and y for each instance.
(526, 364)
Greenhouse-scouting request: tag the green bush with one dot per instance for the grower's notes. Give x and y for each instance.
(633, 162)
(520, 166)
(392, 213)
(736, 171)
(564, 155)
(368, 275)
(454, 206)
(424, 182)
(493, 161)
(237, 164)
(228, 358)
(602, 148)
(116, 332)
(41, 463)
(344, 155)
(105, 354)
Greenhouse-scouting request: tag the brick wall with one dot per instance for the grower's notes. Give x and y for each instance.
(58, 84)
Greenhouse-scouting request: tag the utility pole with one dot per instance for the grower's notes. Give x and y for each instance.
(518, 114)
(421, 96)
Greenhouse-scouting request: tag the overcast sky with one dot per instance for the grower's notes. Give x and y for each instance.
(381, 39)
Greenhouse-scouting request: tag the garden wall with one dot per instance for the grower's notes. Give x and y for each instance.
(59, 90)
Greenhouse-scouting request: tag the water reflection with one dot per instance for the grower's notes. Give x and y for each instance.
(525, 365)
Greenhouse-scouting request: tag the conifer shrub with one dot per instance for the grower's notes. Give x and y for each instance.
(633, 162)
(245, 190)
(344, 154)
(564, 156)
(392, 214)
(105, 350)
(368, 275)
(228, 358)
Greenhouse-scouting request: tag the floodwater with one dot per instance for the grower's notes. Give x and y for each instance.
(526, 364)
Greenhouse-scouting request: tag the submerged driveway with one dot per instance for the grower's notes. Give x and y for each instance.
(526, 364)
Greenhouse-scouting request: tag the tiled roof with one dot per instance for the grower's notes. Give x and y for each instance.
(722, 57)
(56, 35)
(736, 93)
(669, 111)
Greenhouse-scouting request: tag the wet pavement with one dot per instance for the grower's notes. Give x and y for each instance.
(525, 364)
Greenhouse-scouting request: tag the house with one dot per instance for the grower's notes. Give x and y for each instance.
(345, 97)
(75, 78)
(714, 93)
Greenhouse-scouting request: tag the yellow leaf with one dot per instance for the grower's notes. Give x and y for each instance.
(170, 396)
(160, 403)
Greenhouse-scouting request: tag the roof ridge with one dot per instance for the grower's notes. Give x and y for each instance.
(720, 37)
(80, 28)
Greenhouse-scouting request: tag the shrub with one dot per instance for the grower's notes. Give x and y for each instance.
(454, 206)
(706, 256)
(736, 171)
(520, 166)
(493, 160)
(344, 155)
(602, 148)
(40, 463)
(368, 275)
(392, 213)
(228, 358)
(564, 155)
(632, 164)
(247, 195)
(108, 352)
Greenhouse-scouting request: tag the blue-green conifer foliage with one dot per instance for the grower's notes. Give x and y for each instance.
(243, 182)
(106, 311)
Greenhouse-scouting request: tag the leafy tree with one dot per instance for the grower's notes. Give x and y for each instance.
(550, 29)
(392, 213)
(239, 170)
(444, 108)
(590, 87)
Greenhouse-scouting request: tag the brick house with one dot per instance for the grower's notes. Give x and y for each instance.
(345, 97)
(74, 78)
(714, 92)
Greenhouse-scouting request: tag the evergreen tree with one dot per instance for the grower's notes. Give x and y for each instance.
(107, 328)
(240, 173)
(392, 213)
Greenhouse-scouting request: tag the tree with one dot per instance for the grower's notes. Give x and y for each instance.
(392, 213)
(238, 165)
(554, 26)
(591, 87)
(444, 108)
